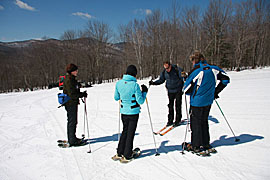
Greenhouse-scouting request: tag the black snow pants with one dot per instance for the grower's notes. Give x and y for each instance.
(199, 126)
(72, 121)
(177, 98)
(125, 145)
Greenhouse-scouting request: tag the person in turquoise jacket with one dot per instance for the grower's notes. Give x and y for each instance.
(128, 91)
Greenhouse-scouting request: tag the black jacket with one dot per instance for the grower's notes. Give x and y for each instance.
(174, 81)
(72, 89)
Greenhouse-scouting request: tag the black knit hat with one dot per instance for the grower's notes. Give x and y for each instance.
(71, 67)
(131, 70)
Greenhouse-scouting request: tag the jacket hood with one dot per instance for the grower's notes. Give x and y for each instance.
(127, 77)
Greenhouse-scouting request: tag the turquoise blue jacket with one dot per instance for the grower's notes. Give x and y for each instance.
(128, 91)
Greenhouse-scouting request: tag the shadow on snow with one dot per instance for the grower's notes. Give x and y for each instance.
(230, 141)
(222, 141)
(213, 119)
(111, 138)
(162, 149)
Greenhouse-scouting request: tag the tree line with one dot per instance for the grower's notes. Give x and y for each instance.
(234, 36)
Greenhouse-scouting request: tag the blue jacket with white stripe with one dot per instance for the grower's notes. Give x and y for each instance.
(201, 84)
(128, 91)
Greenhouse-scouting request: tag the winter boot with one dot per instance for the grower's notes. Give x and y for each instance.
(79, 143)
(169, 123)
(177, 123)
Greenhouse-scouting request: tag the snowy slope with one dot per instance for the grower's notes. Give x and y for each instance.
(31, 123)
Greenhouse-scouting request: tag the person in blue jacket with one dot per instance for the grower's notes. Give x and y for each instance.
(201, 86)
(128, 91)
(174, 84)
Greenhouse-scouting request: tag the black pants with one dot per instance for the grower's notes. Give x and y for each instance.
(199, 126)
(125, 144)
(72, 121)
(177, 98)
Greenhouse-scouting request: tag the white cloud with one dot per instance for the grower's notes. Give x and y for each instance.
(24, 5)
(143, 11)
(83, 15)
(1, 7)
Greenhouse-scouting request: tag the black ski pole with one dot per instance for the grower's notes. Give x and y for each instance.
(85, 111)
(157, 154)
(236, 139)
(184, 144)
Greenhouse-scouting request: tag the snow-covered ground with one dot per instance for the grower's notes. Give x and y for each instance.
(31, 123)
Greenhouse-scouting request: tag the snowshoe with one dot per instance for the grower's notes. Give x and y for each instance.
(125, 160)
(65, 144)
(203, 153)
(135, 154)
(66, 141)
(199, 151)
(187, 146)
(116, 157)
(62, 141)
(210, 149)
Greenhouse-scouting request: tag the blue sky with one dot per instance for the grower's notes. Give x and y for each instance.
(34, 19)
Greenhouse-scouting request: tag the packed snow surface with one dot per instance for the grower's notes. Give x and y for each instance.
(31, 123)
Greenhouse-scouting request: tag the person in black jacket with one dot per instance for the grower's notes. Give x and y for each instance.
(71, 88)
(174, 84)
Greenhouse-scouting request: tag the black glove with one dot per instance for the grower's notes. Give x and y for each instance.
(216, 95)
(144, 88)
(84, 94)
(151, 82)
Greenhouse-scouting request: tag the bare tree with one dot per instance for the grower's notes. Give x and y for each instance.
(69, 35)
(214, 25)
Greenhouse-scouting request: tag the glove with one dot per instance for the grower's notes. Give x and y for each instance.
(184, 74)
(151, 82)
(216, 95)
(84, 94)
(144, 88)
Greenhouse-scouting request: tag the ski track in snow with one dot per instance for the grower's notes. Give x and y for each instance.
(31, 124)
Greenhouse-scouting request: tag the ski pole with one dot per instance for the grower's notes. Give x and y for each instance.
(84, 120)
(157, 154)
(187, 111)
(119, 121)
(236, 139)
(183, 148)
(85, 111)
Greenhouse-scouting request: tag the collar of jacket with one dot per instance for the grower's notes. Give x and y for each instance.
(71, 76)
(199, 63)
(128, 77)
